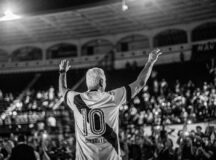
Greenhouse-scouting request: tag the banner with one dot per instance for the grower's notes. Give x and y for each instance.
(203, 51)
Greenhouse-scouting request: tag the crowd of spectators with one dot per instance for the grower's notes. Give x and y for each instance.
(159, 104)
(177, 104)
(38, 109)
(38, 146)
(32, 100)
(193, 144)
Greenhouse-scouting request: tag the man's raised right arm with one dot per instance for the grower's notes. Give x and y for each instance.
(63, 68)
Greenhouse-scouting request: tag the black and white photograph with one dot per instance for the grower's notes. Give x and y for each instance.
(107, 79)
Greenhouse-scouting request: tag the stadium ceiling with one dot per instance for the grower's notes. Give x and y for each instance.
(104, 18)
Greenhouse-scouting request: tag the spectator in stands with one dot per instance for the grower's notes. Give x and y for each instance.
(3, 151)
(124, 145)
(204, 151)
(199, 131)
(135, 149)
(23, 151)
(214, 150)
(186, 149)
(164, 146)
(148, 148)
(8, 145)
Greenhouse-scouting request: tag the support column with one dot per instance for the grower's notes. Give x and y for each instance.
(151, 42)
(43, 54)
(79, 49)
(189, 36)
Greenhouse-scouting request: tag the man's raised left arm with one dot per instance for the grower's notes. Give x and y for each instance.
(144, 75)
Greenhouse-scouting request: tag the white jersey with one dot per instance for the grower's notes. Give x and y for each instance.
(96, 117)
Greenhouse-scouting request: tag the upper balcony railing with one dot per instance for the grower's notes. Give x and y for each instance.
(171, 55)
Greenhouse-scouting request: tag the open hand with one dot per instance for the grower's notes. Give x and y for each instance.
(64, 65)
(153, 55)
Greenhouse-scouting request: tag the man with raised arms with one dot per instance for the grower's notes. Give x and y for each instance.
(96, 112)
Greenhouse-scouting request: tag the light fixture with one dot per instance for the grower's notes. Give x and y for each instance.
(124, 5)
(9, 15)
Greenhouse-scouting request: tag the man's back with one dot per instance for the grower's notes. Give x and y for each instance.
(97, 123)
(96, 112)
(22, 152)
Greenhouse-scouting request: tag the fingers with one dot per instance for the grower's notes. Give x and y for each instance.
(64, 64)
(67, 63)
(61, 63)
(68, 67)
(64, 61)
(160, 53)
(157, 51)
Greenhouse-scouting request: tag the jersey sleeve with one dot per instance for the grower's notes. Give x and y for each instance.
(121, 95)
(69, 97)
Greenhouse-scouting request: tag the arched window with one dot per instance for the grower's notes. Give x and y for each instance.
(99, 46)
(170, 37)
(62, 50)
(204, 32)
(27, 53)
(3, 55)
(133, 42)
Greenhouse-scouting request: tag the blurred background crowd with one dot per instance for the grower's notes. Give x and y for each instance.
(177, 104)
(172, 118)
(159, 105)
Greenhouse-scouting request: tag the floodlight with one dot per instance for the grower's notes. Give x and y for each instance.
(9, 15)
(124, 5)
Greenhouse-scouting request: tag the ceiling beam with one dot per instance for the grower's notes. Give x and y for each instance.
(56, 26)
(93, 23)
(118, 11)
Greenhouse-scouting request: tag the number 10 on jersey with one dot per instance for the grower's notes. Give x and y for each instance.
(96, 121)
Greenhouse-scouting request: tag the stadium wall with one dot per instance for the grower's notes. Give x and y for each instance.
(166, 38)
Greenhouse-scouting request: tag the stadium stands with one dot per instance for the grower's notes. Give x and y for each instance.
(172, 118)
